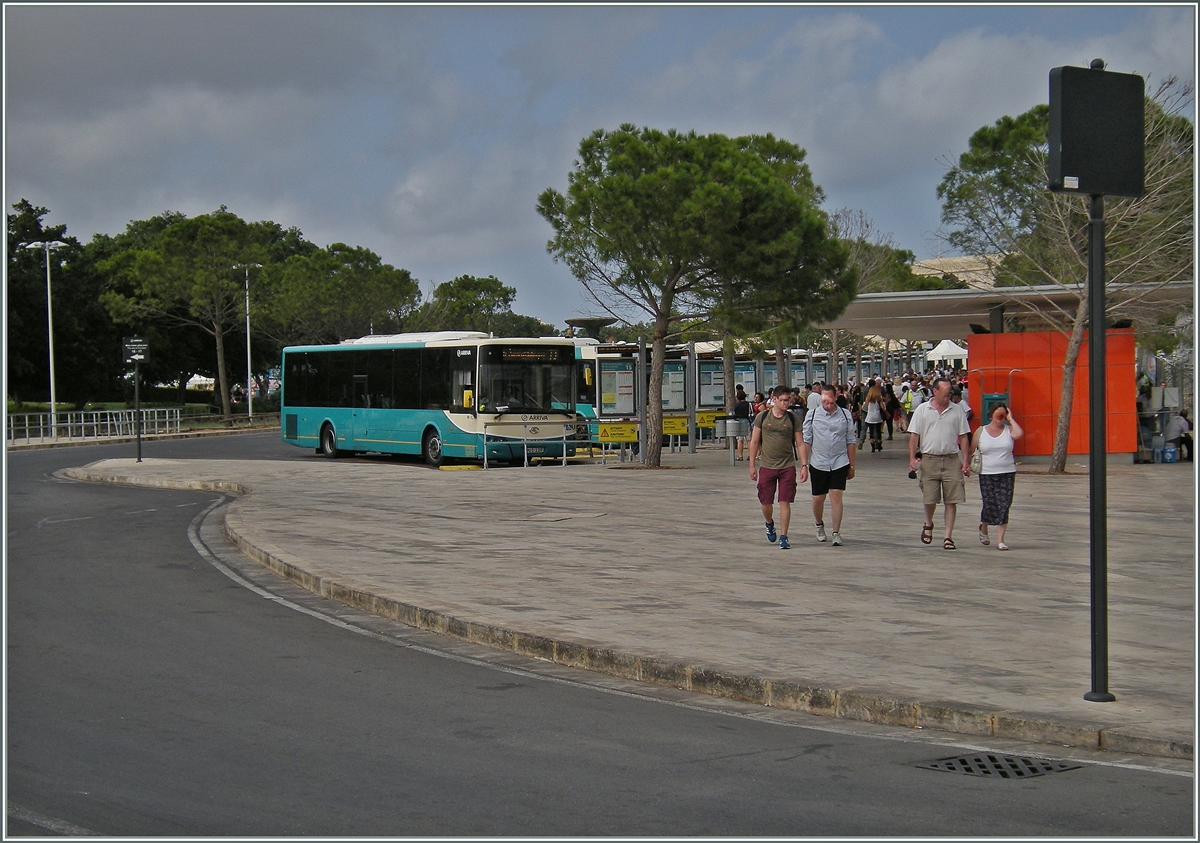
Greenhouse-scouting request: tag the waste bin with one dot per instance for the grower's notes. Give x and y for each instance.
(719, 426)
(743, 429)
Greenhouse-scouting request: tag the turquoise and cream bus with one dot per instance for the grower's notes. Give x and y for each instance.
(457, 394)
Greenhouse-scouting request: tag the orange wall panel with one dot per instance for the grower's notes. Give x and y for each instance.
(1035, 351)
(1039, 434)
(1122, 433)
(1037, 388)
(1010, 351)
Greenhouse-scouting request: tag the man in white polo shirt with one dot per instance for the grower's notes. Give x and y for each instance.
(941, 435)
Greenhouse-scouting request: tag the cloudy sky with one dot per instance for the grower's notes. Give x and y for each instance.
(425, 133)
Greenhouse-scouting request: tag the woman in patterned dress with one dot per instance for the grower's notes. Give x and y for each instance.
(998, 471)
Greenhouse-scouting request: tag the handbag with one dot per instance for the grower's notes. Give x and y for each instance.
(976, 461)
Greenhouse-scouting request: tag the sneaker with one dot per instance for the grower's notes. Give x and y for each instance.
(783, 543)
(820, 532)
(771, 532)
(837, 539)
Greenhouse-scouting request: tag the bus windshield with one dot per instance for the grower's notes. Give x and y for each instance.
(526, 379)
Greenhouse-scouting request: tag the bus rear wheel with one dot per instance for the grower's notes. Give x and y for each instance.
(329, 448)
(431, 447)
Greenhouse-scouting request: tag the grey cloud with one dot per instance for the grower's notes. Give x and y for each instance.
(90, 58)
(577, 45)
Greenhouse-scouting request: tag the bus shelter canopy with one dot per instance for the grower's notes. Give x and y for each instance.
(930, 315)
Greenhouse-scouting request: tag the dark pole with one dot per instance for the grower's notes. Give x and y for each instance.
(137, 407)
(1097, 480)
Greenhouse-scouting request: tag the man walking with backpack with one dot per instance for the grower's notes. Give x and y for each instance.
(776, 436)
(828, 455)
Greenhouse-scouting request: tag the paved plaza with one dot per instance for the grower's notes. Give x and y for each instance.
(666, 575)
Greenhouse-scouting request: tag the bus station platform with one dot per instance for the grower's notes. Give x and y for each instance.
(665, 575)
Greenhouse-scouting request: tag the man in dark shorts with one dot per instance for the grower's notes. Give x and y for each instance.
(776, 438)
(828, 456)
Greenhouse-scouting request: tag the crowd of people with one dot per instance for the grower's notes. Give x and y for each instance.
(812, 435)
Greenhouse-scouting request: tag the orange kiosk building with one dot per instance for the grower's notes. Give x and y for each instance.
(1028, 369)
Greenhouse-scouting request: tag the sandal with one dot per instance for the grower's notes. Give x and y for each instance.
(927, 534)
(948, 544)
(983, 538)
(1002, 546)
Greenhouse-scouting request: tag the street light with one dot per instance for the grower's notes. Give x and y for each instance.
(249, 388)
(49, 246)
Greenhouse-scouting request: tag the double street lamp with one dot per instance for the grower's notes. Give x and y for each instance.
(249, 381)
(49, 246)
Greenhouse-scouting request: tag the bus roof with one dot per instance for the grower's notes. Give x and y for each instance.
(432, 339)
(427, 336)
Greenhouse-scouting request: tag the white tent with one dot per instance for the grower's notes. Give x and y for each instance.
(947, 351)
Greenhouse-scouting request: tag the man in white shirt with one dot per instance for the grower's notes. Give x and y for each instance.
(814, 397)
(941, 435)
(828, 458)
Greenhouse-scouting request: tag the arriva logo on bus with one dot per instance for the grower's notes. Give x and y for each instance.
(530, 418)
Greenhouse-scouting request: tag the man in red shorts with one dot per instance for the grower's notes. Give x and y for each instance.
(776, 439)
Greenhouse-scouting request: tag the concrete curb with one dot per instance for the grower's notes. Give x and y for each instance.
(849, 704)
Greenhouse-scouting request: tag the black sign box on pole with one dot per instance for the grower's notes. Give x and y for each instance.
(1097, 132)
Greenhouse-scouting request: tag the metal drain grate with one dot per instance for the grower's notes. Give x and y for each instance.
(999, 766)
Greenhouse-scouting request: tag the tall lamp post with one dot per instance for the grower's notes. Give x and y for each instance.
(249, 380)
(49, 246)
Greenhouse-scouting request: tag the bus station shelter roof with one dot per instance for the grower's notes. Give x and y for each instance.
(931, 315)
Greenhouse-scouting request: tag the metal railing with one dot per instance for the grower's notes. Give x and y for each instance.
(81, 425)
(568, 434)
(89, 424)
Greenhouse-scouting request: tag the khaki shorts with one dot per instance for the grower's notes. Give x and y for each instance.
(942, 479)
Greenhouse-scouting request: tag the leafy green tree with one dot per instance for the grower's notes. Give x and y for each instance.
(332, 294)
(187, 276)
(997, 200)
(87, 345)
(471, 303)
(518, 325)
(676, 226)
(176, 351)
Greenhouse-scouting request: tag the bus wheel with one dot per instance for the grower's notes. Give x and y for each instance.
(431, 447)
(329, 448)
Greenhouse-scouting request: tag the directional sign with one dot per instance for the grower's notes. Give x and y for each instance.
(135, 348)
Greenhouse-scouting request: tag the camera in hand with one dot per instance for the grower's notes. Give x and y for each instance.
(912, 475)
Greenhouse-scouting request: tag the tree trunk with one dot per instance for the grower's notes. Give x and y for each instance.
(1062, 432)
(782, 376)
(654, 410)
(728, 350)
(858, 350)
(834, 373)
(222, 375)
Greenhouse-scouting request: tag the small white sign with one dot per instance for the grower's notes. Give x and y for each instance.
(1071, 182)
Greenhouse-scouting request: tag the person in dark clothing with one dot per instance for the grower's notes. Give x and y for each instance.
(741, 410)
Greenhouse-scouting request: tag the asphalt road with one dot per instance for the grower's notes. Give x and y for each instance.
(150, 692)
